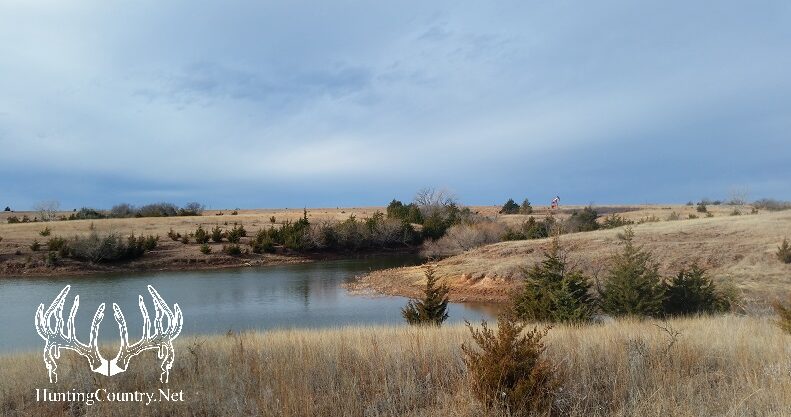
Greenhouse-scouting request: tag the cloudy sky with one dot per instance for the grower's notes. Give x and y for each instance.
(293, 103)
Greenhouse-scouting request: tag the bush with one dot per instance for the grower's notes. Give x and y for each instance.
(205, 249)
(701, 207)
(784, 252)
(87, 213)
(191, 209)
(173, 235)
(150, 242)
(234, 213)
(235, 234)
(13, 219)
(772, 205)
(583, 221)
(633, 286)
(673, 216)
(510, 207)
(531, 229)
(7, 208)
(709, 214)
(201, 236)
(784, 316)
(409, 213)
(109, 248)
(262, 242)
(526, 208)
(216, 234)
(51, 260)
(123, 210)
(509, 371)
(553, 292)
(692, 216)
(45, 232)
(157, 210)
(185, 239)
(432, 310)
(463, 237)
(736, 212)
(56, 243)
(233, 250)
(35, 246)
(692, 292)
(614, 220)
(272, 220)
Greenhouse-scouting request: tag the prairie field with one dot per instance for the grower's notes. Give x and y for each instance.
(736, 250)
(716, 366)
(17, 258)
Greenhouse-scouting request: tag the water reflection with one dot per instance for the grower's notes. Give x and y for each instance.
(290, 296)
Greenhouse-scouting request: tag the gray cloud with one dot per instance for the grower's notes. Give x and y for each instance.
(314, 103)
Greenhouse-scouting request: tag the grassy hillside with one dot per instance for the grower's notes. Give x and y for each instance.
(719, 366)
(17, 257)
(736, 249)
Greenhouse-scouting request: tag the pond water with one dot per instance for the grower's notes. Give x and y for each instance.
(306, 295)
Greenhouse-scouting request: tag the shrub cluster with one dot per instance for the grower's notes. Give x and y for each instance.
(262, 242)
(465, 236)
(614, 220)
(632, 287)
(24, 219)
(235, 234)
(375, 232)
(409, 213)
(510, 207)
(772, 205)
(435, 213)
(232, 249)
(582, 221)
(531, 229)
(108, 248)
(86, 213)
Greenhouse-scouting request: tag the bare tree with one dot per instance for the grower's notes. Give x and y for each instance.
(431, 199)
(47, 210)
(739, 195)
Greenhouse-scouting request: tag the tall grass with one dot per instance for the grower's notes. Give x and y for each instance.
(716, 366)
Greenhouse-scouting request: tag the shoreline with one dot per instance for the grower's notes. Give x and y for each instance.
(161, 261)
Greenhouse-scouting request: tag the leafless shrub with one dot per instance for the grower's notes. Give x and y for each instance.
(463, 237)
(47, 210)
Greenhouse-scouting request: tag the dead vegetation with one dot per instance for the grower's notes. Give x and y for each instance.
(711, 366)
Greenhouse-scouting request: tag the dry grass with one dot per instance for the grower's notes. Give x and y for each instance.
(720, 366)
(739, 250)
(169, 254)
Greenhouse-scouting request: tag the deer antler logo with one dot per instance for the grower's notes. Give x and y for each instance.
(58, 338)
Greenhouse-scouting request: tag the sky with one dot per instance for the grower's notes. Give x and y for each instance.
(313, 103)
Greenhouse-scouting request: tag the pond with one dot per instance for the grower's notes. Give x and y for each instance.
(308, 295)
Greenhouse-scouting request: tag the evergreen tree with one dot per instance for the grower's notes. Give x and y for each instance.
(553, 292)
(510, 207)
(784, 252)
(692, 292)
(633, 285)
(526, 208)
(433, 308)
